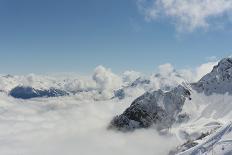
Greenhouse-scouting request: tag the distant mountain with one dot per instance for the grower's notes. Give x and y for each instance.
(154, 82)
(141, 82)
(29, 92)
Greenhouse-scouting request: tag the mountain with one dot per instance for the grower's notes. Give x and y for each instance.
(141, 82)
(157, 107)
(218, 81)
(163, 81)
(162, 108)
(30, 86)
(30, 92)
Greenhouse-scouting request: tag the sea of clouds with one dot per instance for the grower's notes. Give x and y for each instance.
(77, 124)
(68, 126)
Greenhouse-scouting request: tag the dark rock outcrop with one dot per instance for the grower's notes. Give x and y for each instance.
(158, 107)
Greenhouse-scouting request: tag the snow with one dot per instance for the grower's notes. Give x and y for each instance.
(215, 144)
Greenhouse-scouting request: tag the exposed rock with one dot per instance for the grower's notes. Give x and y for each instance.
(156, 108)
(140, 81)
(120, 94)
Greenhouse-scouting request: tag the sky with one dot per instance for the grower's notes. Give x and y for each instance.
(44, 36)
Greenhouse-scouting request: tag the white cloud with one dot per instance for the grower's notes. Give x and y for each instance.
(204, 69)
(106, 80)
(102, 84)
(166, 69)
(130, 76)
(66, 126)
(189, 75)
(186, 14)
(195, 74)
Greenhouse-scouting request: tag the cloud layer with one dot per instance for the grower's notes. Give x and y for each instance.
(66, 126)
(186, 14)
(77, 124)
(103, 83)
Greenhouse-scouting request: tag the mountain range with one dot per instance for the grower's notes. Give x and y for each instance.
(163, 109)
(198, 113)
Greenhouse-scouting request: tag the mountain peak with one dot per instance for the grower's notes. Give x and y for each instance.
(223, 65)
(218, 81)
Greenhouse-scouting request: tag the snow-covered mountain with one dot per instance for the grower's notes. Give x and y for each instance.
(163, 81)
(103, 84)
(218, 81)
(34, 86)
(191, 118)
(166, 109)
(158, 107)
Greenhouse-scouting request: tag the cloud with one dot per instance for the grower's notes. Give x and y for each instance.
(204, 69)
(103, 82)
(195, 74)
(166, 77)
(69, 125)
(174, 77)
(166, 69)
(130, 76)
(106, 80)
(186, 14)
(66, 126)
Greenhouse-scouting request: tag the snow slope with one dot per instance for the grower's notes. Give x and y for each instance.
(219, 143)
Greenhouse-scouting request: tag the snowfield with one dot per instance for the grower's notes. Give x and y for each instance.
(70, 115)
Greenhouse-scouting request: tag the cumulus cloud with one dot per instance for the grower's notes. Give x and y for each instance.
(186, 14)
(103, 83)
(166, 77)
(130, 76)
(172, 77)
(195, 74)
(106, 80)
(188, 75)
(204, 69)
(166, 69)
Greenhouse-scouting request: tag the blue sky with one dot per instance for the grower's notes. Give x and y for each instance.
(43, 36)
